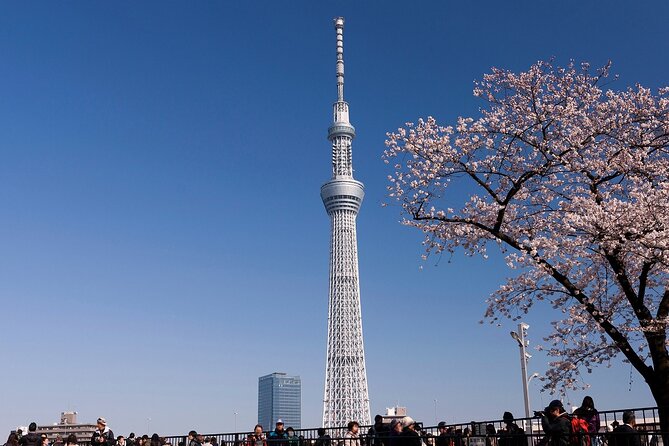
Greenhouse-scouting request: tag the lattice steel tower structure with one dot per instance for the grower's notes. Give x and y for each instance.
(346, 398)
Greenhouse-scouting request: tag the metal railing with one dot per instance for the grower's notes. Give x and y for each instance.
(474, 433)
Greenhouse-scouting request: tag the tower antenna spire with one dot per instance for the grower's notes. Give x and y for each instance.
(339, 27)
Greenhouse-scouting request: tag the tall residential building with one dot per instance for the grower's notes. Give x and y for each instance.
(346, 398)
(279, 397)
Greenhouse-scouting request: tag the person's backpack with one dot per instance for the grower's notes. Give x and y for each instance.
(579, 432)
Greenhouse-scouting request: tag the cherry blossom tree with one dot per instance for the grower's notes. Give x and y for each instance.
(571, 180)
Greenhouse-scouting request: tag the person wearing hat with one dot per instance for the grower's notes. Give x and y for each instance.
(395, 433)
(103, 436)
(409, 435)
(556, 424)
(512, 434)
(278, 437)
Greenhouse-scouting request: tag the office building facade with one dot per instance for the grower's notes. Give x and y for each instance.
(279, 397)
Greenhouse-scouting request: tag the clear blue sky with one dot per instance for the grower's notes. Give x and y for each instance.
(163, 239)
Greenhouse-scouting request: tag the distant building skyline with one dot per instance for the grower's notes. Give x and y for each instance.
(280, 397)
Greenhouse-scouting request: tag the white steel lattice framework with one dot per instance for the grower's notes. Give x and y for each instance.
(346, 397)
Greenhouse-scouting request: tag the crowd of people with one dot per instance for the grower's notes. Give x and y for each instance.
(581, 428)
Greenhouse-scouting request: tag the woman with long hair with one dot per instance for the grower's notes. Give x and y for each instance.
(588, 413)
(12, 440)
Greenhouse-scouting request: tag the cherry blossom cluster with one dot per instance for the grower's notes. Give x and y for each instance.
(571, 180)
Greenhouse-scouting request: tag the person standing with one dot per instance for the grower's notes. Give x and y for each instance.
(588, 413)
(257, 438)
(12, 440)
(512, 435)
(71, 440)
(278, 437)
(103, 436)
(409, 436)
(626, 434)
(192, 439)
(556, 424)
(293, 440)
(378, 433)
(31, 439)
(352, 435)
(323, 438)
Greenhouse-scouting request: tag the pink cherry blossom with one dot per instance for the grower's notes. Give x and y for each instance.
(571, 180)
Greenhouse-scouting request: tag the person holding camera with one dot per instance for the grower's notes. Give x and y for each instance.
(556, 424)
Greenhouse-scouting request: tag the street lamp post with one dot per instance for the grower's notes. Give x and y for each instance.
(522, 344)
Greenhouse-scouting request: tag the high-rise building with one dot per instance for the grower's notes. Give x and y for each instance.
(346, 397)
(279, 397)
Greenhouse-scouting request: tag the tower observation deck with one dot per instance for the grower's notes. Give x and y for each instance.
(346, 396)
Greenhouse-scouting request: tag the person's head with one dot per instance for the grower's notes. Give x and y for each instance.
(507, 417)
(131, 436)
(59, 439)
(554, 409)
(290, 431)
(102, 423)
(45, 439)
(32, 427)
(408, 423)
(490, 429)
(353, 426)
(279, 425)
(13, 439)
(258, 429)
(441, 426)
(71, 439)
(321, 431)
(378, 419)
(629, 418)
(155, 440)
(396, 425)
(191, 435)
(588, 403)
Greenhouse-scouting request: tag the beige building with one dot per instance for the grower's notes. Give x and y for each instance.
(68, 425)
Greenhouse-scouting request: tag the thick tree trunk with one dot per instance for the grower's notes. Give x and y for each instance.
(660, 390)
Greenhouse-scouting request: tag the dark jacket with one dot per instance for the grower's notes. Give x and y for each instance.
(324, 440)
(513, 435)
(557, 430)
(378, 435)
(106, 436)
(625, 435)
(409, 437)
(32, 439)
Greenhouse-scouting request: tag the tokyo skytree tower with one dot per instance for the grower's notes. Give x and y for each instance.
(346, 398)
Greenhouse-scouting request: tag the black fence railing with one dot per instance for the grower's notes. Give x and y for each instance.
(473, 433)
